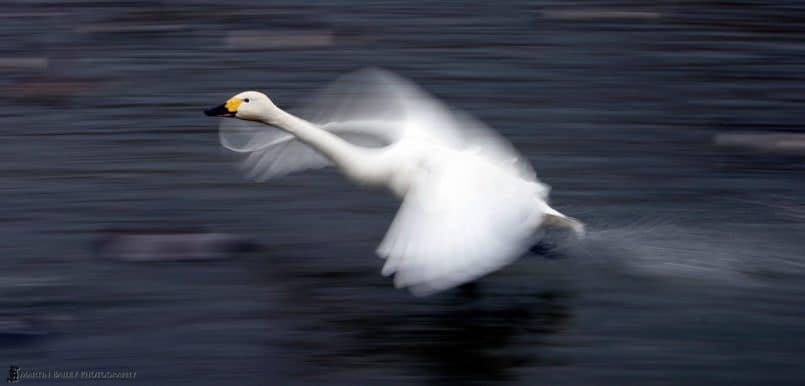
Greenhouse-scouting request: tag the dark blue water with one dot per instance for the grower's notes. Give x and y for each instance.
(692, 273)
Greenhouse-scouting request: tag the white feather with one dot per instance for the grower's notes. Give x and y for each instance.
(460, 219)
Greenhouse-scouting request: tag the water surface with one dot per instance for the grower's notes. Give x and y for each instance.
(692, 274)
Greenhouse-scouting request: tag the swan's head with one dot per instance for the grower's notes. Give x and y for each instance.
(248, 105)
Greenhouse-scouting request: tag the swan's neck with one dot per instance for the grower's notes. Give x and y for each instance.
(349, 158)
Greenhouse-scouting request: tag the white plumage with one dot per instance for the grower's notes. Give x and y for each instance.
(470, 203)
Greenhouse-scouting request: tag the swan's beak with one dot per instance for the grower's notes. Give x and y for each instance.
(219, 111)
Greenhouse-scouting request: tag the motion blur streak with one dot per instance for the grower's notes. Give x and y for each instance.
(692, 273)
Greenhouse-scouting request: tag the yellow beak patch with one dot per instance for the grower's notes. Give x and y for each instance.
(232, 104)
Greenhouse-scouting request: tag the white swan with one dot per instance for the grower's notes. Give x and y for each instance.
(471, 204)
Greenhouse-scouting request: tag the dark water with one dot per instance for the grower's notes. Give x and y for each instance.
(693, 272)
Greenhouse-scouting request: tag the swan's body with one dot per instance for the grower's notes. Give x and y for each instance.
(471, 204)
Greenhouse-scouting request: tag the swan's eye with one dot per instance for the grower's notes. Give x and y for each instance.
(246, 100)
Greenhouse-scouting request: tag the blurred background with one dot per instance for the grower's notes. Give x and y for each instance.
(673, 128)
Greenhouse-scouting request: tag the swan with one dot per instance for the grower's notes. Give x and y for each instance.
(470, 203)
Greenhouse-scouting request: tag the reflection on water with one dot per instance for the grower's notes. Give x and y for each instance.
(672, 129)
(459, 343)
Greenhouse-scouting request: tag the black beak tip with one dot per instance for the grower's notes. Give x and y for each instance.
(218, 111)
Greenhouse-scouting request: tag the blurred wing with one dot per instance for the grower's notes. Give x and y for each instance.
(373, 108)
(458, 223)
(422, 116)
(267, 152)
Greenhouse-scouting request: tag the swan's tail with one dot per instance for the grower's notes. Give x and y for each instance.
(554, 219)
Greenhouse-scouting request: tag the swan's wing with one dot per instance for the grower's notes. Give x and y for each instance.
(458, 222)
(374, 95)
(371, 108)
(266, 152)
